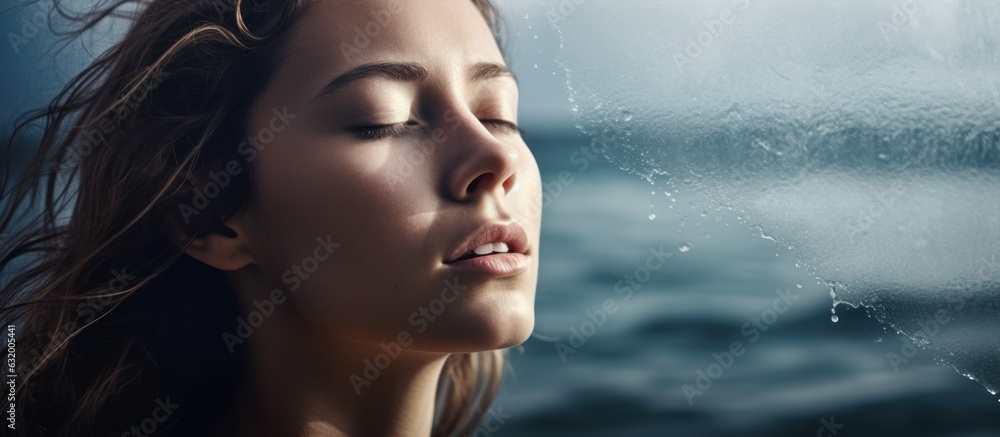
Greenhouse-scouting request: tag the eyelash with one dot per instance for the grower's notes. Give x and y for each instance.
(375, 133)
(379, 132)
(505, 126)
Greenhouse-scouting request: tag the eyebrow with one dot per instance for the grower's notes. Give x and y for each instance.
(489, 70)
(408, 72)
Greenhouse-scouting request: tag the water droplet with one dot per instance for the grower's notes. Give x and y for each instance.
(834, 318)
(878, 340)
(883, 156)
(798, 285)
(652, 205)
(707, 235)
(685, 246)
(704, 213)
(627, 116)
(536, 65)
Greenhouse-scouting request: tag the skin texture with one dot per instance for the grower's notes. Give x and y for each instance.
(396, 206)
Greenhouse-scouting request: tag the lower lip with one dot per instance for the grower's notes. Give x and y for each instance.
(499, 265)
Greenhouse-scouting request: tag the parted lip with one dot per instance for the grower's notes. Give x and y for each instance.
(510, 233)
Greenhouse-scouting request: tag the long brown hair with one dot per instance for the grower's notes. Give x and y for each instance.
(110, 318)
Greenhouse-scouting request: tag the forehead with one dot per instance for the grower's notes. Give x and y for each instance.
(333, 36)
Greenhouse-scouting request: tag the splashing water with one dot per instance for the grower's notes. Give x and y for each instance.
(863, 133)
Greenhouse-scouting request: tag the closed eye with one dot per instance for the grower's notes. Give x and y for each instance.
(502, 126)
(379, 132)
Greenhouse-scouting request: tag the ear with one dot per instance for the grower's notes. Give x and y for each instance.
(228, 248)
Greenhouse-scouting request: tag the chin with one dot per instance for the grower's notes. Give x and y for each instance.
(507, 328)
(516, 331)
(480, 332)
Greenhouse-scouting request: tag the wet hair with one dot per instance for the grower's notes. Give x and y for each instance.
(112, 319)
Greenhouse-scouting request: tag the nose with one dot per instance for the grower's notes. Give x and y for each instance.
(482, 164)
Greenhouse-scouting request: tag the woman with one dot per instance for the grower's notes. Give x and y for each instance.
(286, 218)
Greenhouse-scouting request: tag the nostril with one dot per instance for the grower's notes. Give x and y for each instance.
(474, 185)
(510, 184)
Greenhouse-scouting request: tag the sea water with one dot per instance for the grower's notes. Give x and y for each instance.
(864, 135)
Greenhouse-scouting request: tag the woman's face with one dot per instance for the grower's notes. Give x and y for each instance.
(393, 144)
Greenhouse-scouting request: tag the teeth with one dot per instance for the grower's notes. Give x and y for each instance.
(489, 248)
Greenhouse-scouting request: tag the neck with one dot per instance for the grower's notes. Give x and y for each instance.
(296, 384)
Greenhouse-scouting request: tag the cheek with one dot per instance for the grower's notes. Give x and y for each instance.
(379, 219)
(350, 191)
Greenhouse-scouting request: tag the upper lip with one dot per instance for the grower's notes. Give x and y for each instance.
(510, 233)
